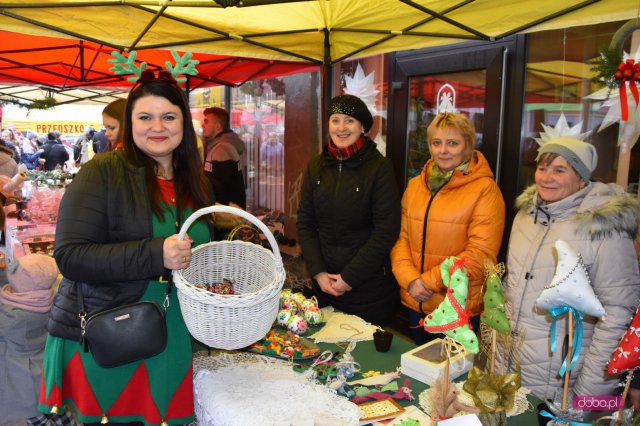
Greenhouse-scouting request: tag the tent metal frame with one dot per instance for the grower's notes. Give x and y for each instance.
(165, 7)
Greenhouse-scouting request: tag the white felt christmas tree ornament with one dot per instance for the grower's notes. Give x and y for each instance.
(570, 285)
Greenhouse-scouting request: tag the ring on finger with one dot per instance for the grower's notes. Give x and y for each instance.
(184, 259)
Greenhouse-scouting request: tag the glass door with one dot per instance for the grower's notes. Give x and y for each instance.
(470, 78)
(462, 92)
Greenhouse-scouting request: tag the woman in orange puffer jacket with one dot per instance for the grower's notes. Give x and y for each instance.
(453, 208)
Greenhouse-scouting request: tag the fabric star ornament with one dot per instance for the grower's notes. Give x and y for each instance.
(570, 285)
(562, 128)
(450, 316)
(494, 314)
(627, 354)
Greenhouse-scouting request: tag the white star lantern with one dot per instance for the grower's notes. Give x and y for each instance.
(363, 87)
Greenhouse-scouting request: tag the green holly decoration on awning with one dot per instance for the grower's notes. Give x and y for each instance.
(450, 317)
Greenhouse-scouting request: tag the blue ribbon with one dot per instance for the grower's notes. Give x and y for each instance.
(545, 413)
(577, 336)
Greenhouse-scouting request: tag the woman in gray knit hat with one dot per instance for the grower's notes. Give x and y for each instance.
(600, 221)
(349, 217)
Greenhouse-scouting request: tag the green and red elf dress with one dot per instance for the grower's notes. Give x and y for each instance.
(157, 390)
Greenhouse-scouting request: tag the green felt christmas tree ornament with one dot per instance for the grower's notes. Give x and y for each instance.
(495, 313)
(450, 317)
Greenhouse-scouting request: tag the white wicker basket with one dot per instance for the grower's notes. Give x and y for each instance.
(230, 321)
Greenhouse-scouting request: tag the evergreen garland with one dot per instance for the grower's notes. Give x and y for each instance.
(605, 67)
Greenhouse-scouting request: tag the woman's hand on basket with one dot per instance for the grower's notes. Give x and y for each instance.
(176, 253)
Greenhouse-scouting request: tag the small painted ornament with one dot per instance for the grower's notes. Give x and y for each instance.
(308, 303)
(291, 305)
(285, 294)
(313, 316)
(495, 314)
(283, 318)
(297, 325)
(298, 297)
(450, 316)
(627, 354)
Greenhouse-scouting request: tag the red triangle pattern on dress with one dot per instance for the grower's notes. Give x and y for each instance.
(181, 404)
(136, 398)
(627, 354)
(76, 387)
(55, 396)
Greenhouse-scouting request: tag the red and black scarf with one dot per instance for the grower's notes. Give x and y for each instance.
(348, 152)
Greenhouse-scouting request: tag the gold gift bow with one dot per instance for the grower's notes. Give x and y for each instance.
(492, 392)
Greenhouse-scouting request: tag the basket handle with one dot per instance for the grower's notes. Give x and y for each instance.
(238, 212)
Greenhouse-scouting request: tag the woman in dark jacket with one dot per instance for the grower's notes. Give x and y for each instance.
(116, 240)
(349, 217)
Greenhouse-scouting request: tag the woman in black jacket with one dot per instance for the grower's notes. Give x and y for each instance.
(116, 240)
(349, 217)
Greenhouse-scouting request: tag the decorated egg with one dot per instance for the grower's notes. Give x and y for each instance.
(308, 303)
(298, 297)
(283, 317)
(290, 304)
(297, 325)
(313, 316)
(284, 294)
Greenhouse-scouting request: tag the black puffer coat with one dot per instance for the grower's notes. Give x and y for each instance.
(348, 220)
(104, 239)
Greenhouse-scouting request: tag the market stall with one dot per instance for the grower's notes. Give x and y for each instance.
(370, 361)
(31, 222)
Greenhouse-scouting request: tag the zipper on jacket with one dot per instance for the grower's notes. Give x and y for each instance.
(337, 187)
(528, 275)
(424, 224)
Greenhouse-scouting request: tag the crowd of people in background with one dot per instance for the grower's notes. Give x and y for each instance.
(47, 151)
(50, 150)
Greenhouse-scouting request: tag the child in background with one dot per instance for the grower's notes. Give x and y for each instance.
(24, 309)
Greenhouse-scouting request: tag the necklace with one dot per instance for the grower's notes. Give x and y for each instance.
(164, 175)
(579, 263)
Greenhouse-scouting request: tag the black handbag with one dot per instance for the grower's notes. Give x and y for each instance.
(124, 334)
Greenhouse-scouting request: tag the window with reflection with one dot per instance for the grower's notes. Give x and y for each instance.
(366, 79)
(258, 116)
(561, 84)
(465, 94)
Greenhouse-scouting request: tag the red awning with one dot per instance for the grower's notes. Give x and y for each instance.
(71, 63)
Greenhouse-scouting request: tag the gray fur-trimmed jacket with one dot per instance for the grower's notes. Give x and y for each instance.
(600, 222)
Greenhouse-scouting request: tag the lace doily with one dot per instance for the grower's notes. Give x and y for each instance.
(341, 327)
(520, 404)
(243, 389)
